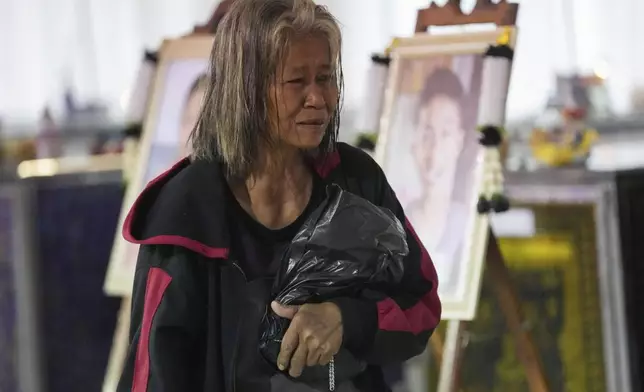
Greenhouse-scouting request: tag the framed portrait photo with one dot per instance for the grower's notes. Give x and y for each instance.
(428, 148)
(175, 101)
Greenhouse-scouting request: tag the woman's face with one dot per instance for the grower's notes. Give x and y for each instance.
(305, 94)
(189, 118)
(439, 139)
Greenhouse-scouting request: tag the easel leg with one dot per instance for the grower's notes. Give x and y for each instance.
(119, 348)
(511, 308)
(448, 380)
(437, 345)
(452, 351)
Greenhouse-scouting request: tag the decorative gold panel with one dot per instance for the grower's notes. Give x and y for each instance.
(555, 274)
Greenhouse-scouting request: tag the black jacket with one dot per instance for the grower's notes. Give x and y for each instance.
(190, 295)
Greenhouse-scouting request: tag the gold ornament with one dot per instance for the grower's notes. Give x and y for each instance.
(504, 38)
(394, 43)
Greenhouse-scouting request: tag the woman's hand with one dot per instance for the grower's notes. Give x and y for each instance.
(313, 338)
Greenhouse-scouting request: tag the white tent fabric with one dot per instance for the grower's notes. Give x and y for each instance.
(95, 46)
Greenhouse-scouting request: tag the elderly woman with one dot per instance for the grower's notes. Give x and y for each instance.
(213, 227)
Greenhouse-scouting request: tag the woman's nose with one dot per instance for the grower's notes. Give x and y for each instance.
(315, 97)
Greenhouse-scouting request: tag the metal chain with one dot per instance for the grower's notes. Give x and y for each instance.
(332, 375)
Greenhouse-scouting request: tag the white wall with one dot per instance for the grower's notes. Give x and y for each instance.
(543, 49)
(93, 45)
(96, 45)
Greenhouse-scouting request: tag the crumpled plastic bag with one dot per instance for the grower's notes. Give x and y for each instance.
(345, 247)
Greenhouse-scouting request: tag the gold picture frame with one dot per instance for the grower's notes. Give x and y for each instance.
(405, 158)
(181, 64)
(561, 244)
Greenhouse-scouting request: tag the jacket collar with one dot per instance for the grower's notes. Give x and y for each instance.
(186, 207)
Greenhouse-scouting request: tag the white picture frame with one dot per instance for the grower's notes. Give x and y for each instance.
(174, 105)
(430, 111)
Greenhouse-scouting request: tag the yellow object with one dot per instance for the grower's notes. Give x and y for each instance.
(70, 165)
(372, 136)
(394, 43)
(560, 154)
(504, 38)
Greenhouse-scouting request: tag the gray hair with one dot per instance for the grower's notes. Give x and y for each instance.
(250, 44)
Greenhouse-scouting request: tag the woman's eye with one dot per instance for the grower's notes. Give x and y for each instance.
(324, 78)
(296, 81)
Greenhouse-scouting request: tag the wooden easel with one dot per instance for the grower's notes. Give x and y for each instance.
(449, 352)
(213, 22)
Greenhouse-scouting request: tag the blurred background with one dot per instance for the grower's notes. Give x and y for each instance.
(68, 71)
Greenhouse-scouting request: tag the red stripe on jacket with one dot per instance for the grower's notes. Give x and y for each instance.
(157, 283)
(425, 314)
(176, 240)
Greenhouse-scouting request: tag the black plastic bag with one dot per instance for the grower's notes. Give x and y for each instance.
(347, 246)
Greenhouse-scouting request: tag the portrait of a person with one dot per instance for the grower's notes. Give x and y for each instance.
(441, 146)
(170, 144)
(178, 116)
(190, 113)
(212, 230)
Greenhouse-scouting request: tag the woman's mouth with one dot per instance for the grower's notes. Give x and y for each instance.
(312, 122)
(313, 126)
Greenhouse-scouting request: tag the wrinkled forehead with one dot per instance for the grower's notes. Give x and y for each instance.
(307, 53)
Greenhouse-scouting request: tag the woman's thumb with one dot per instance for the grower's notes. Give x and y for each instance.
(284, 311)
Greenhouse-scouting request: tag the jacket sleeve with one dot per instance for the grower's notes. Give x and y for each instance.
(166, 351)
(389, 330)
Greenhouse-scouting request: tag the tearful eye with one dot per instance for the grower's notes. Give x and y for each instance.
(324, 78)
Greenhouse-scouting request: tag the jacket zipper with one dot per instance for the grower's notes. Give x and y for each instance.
(236, 348)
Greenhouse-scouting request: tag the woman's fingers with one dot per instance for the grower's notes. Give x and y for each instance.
(290, 343)
(293, 351)
(285, 311)
(327, 350)
(314, 356)
(325, 358)
(320, 354)
(298, 361)
(314, 336)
